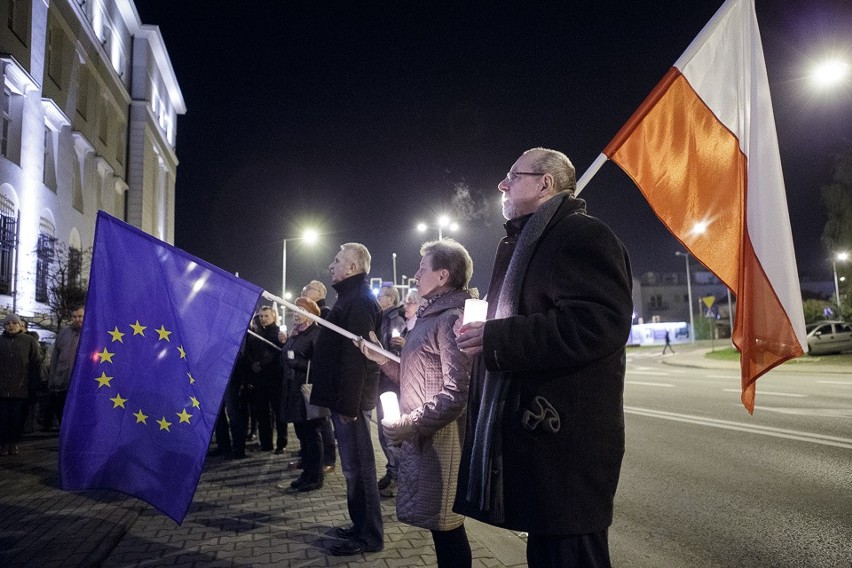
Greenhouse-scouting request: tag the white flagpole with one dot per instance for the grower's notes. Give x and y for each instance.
(329, 325)
(590, 173)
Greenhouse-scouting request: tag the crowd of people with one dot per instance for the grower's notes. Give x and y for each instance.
(516, 421)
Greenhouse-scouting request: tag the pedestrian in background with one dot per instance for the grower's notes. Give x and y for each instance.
(20, 373)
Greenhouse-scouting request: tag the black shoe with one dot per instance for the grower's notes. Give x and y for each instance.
(298, 482)
(266, 448)
(294, 465)
(279, 451)
(351, 547)
(385, 481)
(345, 533)
(218, 452)
(235, 455)
(310, 487)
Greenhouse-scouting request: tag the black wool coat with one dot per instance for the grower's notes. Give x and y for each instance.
(344, 380)
(564, 352)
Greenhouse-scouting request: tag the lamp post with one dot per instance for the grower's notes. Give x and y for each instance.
(842, 257)
(685, 256)
(310, 236)
(441, 223)
(394, 269)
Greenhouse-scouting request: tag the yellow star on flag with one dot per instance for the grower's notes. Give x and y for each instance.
(118, 401)
(141, 417)
(195, 403)
(106, 356)
(184, 416)
(163, 333)
(164, 424)
(182, 352)
(116, 335)
(138, 329)
(103, 380)
(191, 379)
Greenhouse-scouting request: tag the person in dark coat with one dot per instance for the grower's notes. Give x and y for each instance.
(20, 374)
(392, 326)
(262, 360)
(347, 383)
(296, 358)
(545, 437)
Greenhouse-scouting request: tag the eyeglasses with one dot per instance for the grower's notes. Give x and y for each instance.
(512, 176)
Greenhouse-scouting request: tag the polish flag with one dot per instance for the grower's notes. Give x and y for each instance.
(703, 150)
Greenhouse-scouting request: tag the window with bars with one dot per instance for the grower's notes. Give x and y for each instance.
(45, 251)
(75, 266)
(8, 243)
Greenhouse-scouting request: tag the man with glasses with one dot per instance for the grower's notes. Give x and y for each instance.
(545, 433)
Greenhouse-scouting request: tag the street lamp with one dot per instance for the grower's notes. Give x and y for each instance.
(310, 236)
(685, 256)
(829, 73)
(842, 257)
(441, 223)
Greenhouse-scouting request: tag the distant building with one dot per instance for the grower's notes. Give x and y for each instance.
(89, 121)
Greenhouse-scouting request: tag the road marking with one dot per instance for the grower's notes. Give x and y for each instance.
(826, 412)
(770, 393)
(742, 427)
(648, 384)
(638, 372)
(722, 376)
(835, 383)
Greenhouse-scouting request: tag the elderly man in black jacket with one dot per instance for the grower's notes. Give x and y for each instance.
(347, 383)
(545, 435)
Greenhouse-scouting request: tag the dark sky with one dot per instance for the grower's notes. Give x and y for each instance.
(361, 118)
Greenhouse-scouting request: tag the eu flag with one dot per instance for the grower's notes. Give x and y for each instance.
(160, 335)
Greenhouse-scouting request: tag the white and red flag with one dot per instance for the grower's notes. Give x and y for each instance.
(703, 150)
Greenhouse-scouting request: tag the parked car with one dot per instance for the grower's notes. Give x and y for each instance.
(829, 337)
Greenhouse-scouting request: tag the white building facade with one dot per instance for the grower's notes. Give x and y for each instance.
(89, 117)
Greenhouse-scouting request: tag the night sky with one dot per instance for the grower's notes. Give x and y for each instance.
(363, 118)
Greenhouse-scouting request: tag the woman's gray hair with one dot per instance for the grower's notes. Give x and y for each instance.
(358, 254)
(558, 165)
(452, 256)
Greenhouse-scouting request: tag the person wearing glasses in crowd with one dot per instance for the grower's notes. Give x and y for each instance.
(545, 433)
(433, 376)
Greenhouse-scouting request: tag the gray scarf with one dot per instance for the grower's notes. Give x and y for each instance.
(485, 484)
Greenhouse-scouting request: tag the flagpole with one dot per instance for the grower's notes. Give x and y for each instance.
(329, 325)
(590, 173)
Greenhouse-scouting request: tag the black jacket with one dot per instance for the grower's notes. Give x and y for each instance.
(344, 380)
(296, 370)
(564, 352)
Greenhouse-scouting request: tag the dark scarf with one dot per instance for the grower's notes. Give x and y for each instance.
(485, 484)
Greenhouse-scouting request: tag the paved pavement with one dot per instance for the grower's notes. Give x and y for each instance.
(238, 518)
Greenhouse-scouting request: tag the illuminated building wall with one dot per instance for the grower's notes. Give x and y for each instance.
(89, 115)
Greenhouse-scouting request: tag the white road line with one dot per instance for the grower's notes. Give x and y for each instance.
(742, 427)
(733, 376)
(835, 383)
(656, 373)
(770, 393)
(648, 384)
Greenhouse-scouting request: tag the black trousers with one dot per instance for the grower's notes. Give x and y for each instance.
(13, 415)
(310, 439)
(568, 551)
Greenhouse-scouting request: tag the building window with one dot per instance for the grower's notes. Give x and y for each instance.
(83, 94)
(656, 302)
(54, 54)
(19, 19)
(8, 242)
(49, 160)
(45, 251)
(5, 121)
(75, 266)
(103, 124)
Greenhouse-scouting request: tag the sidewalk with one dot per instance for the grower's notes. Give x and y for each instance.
(695, 356)
(238, 518)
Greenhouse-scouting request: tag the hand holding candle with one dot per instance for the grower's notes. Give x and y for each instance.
(474, 310)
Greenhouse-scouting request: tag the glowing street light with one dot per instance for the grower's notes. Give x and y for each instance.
(442, 223)
(685, 256)
(842, 257)
(830, 73)
(310, 237)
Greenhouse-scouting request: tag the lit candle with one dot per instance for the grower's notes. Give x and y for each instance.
(390, 407)
(475, 310)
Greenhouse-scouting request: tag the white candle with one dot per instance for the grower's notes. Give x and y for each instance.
(475, 310)
(390, 407)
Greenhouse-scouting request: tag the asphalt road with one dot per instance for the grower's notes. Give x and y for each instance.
(704, 484)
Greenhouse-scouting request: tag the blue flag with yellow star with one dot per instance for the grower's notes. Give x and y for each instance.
(160, 335)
